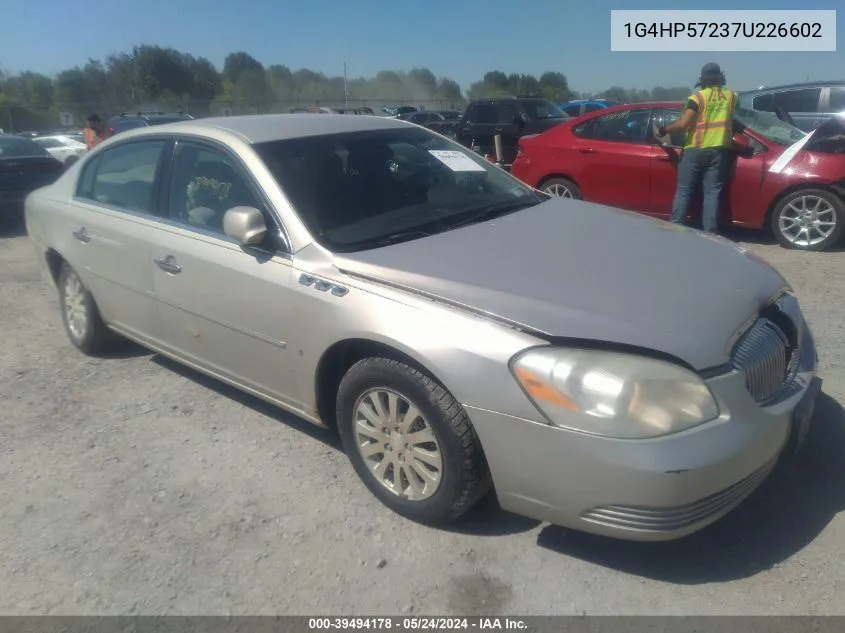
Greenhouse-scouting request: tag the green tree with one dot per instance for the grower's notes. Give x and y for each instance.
(240, 62)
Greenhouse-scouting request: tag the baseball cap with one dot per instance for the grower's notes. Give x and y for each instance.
(711, 70)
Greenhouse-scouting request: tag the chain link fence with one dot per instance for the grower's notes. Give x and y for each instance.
(25, 118)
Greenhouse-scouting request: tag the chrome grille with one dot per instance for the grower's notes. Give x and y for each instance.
(769, 353)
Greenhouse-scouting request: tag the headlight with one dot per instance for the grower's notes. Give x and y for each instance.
(613, 395)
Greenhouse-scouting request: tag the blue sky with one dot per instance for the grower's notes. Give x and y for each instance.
(456, 38)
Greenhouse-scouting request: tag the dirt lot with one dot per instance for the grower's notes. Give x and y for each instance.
(131, 485)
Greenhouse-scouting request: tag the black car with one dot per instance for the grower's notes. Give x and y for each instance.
(130, 121)
(24, 167)
(509, 118)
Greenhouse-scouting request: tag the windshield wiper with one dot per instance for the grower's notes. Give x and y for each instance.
(493, 211)
(393, 238)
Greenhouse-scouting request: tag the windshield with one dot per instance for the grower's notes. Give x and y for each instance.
(19, 147)
(361, 190)
(543, 109)
(769, 126)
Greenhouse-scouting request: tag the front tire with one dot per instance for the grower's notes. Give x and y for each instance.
(561, 188)
(410, 441)
(83, 324)
(809, 220)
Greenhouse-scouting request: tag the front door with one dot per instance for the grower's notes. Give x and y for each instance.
(223, 307)
(111, 217)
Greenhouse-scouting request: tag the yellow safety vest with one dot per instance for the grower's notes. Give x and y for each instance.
(714, 123)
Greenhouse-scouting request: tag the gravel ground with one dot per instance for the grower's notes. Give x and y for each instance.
(131, 485)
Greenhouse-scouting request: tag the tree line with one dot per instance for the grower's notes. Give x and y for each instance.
(153, 77)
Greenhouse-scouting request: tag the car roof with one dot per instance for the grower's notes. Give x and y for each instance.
(262, 128)
(805, 84)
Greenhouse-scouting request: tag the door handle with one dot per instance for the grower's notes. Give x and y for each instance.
(498, 129)
(586, 150)
(168, 264)
(665, 159)
(82, 235)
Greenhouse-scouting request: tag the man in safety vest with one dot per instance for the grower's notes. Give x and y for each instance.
(707, 120)
(96, 132)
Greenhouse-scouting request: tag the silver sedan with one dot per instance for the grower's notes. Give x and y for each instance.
(598, 369)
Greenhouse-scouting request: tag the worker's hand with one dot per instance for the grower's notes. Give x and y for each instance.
(660, 135)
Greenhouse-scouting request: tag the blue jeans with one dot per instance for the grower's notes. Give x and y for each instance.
(708, 167)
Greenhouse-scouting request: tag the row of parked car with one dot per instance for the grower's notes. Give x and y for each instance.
(609, 153)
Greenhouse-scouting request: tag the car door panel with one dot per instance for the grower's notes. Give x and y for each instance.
(609, 168)
(227, 308)
(223, 307)
(110, 220)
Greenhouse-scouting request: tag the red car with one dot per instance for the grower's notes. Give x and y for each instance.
(612, 157)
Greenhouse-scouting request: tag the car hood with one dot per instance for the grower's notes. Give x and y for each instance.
(577, 270)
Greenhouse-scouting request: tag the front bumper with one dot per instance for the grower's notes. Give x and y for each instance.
(647, 490)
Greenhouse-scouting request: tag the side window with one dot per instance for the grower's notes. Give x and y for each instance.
(592, 108)
(204, 185)
(469, 115)
(585, 129)
(573, 110)
(485, 114)
(506, 114)
(763, 103)
(837, 99)
(806, 100)
(124, 176)
(665, 117)
(627, 126)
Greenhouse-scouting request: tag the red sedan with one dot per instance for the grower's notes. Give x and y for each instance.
(612, 157)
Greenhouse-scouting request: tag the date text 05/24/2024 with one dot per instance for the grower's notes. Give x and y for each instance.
(728, 30)
(417, 624)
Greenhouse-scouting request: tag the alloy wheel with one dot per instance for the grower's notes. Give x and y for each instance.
(76, 308)
(559, 190)
(397, 444)
(807, 221)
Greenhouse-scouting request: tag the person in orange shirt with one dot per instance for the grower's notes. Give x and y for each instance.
(96, 132)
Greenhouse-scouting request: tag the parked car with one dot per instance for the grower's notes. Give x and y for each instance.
(396, 111)
(24, 167)
(422, 118)
(808, 104)
(62, 148)
(612, 157)
(351, 270)
(508, 117)
(578, 107)
(130, 121)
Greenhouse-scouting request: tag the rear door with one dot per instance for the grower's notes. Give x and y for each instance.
(612, 159)
(478, 125)
(115, 205)
(508, 127)
(223, 307)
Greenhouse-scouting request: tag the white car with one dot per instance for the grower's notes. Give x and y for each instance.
(62, 148)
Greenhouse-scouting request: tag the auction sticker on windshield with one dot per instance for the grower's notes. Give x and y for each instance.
(456, 161)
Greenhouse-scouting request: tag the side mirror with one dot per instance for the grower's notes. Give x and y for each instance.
(742, 145)
(245, 224)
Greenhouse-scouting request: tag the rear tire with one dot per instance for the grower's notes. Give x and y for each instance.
(561, 188)
(442, 471)
(81, 317)
(809, 220)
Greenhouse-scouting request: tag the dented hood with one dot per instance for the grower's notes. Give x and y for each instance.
(574, 269)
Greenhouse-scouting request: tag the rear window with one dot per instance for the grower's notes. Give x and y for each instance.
(543, 109)
(18, 147)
